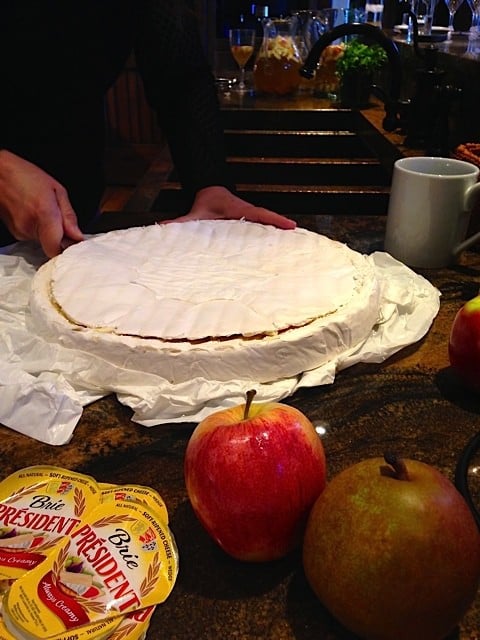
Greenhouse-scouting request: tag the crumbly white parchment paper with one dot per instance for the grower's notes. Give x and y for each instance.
(44, 387)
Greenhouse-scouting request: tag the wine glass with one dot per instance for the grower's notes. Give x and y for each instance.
(242, 43)
(475, 9)
(429, 11)
(452, 6)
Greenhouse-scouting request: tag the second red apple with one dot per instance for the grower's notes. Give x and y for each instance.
(464, 343)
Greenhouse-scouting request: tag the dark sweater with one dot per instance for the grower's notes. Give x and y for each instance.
(59, 57)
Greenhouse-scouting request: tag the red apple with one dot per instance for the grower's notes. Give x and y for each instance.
(252, 474)
(393, 551)
(464, 343)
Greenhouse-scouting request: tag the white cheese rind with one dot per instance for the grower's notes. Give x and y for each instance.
(346, 311)
(203, 279)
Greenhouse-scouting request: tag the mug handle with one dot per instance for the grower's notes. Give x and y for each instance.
(472, 194)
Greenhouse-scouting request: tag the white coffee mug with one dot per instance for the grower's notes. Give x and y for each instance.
(431, 200)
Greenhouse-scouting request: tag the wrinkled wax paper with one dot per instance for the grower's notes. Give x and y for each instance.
(44, 387)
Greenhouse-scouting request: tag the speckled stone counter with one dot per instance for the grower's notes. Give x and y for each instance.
(412, 403)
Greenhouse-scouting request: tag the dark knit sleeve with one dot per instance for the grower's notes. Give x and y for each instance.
(180, 86)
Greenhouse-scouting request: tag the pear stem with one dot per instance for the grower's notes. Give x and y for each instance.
(250, 395)
(397, 468)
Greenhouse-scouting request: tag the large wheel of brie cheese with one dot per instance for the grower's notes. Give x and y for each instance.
(217, 300)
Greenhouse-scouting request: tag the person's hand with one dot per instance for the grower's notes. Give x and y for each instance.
(34, 206)
(213, 203)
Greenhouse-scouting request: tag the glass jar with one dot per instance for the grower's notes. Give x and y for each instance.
(277, 66)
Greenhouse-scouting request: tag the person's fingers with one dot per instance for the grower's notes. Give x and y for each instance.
(250, 213)
(185, 218)
(265, 216)
(70, 223)
(50, 233)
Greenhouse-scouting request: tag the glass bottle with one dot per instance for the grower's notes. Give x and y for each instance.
(277, 66)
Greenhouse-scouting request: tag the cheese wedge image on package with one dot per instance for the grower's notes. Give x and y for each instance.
(125, 559)
(38, 506)
(137, 493)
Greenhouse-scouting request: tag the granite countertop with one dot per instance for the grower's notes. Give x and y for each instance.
(413, 402)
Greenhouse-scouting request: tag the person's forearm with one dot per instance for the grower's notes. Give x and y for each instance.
(180, 86)
(196, 138)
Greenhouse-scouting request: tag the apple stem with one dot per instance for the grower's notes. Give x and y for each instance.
(250, 395)
(397, 468)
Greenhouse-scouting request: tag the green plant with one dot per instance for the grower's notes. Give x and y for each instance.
(358, 56)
